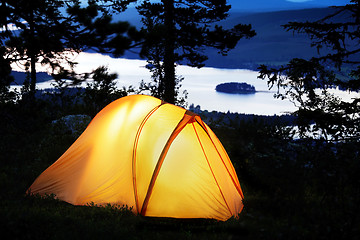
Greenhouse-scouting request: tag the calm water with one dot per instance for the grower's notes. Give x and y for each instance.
(200, 84)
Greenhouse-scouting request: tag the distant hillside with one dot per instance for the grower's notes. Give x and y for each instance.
(19, 77)
(276, 5)
(272, 45)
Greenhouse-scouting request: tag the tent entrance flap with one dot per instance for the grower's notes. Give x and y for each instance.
(185, 120)
(134, 153)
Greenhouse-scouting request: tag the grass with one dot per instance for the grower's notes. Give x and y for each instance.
(283, 198)
(47, 218)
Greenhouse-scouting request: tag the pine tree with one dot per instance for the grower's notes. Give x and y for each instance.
(178, 32)
(48, 30)
(308, 83)
(5, 68)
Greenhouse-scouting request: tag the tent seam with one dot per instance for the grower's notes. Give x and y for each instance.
(212, 172)
(161, 159)
(222, 160)
(137, 136)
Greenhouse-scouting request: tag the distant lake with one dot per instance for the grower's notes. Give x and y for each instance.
(199, 83)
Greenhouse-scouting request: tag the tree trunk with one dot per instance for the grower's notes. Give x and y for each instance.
(169, 55)
(33, 74)
(32, 55)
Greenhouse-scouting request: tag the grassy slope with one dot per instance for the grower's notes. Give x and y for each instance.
(283, 198)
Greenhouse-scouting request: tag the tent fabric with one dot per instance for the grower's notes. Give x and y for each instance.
(157, 158)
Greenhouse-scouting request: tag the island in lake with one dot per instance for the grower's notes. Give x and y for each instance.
(235, 87)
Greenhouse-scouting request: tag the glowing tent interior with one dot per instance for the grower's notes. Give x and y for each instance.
(159, 159)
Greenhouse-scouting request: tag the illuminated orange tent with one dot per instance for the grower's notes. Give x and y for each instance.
(159, 159)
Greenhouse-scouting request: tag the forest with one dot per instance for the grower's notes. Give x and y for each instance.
(235, 87)
(298, 172)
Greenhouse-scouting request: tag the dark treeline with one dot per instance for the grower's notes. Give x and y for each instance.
(233, 119)
(235, 87)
